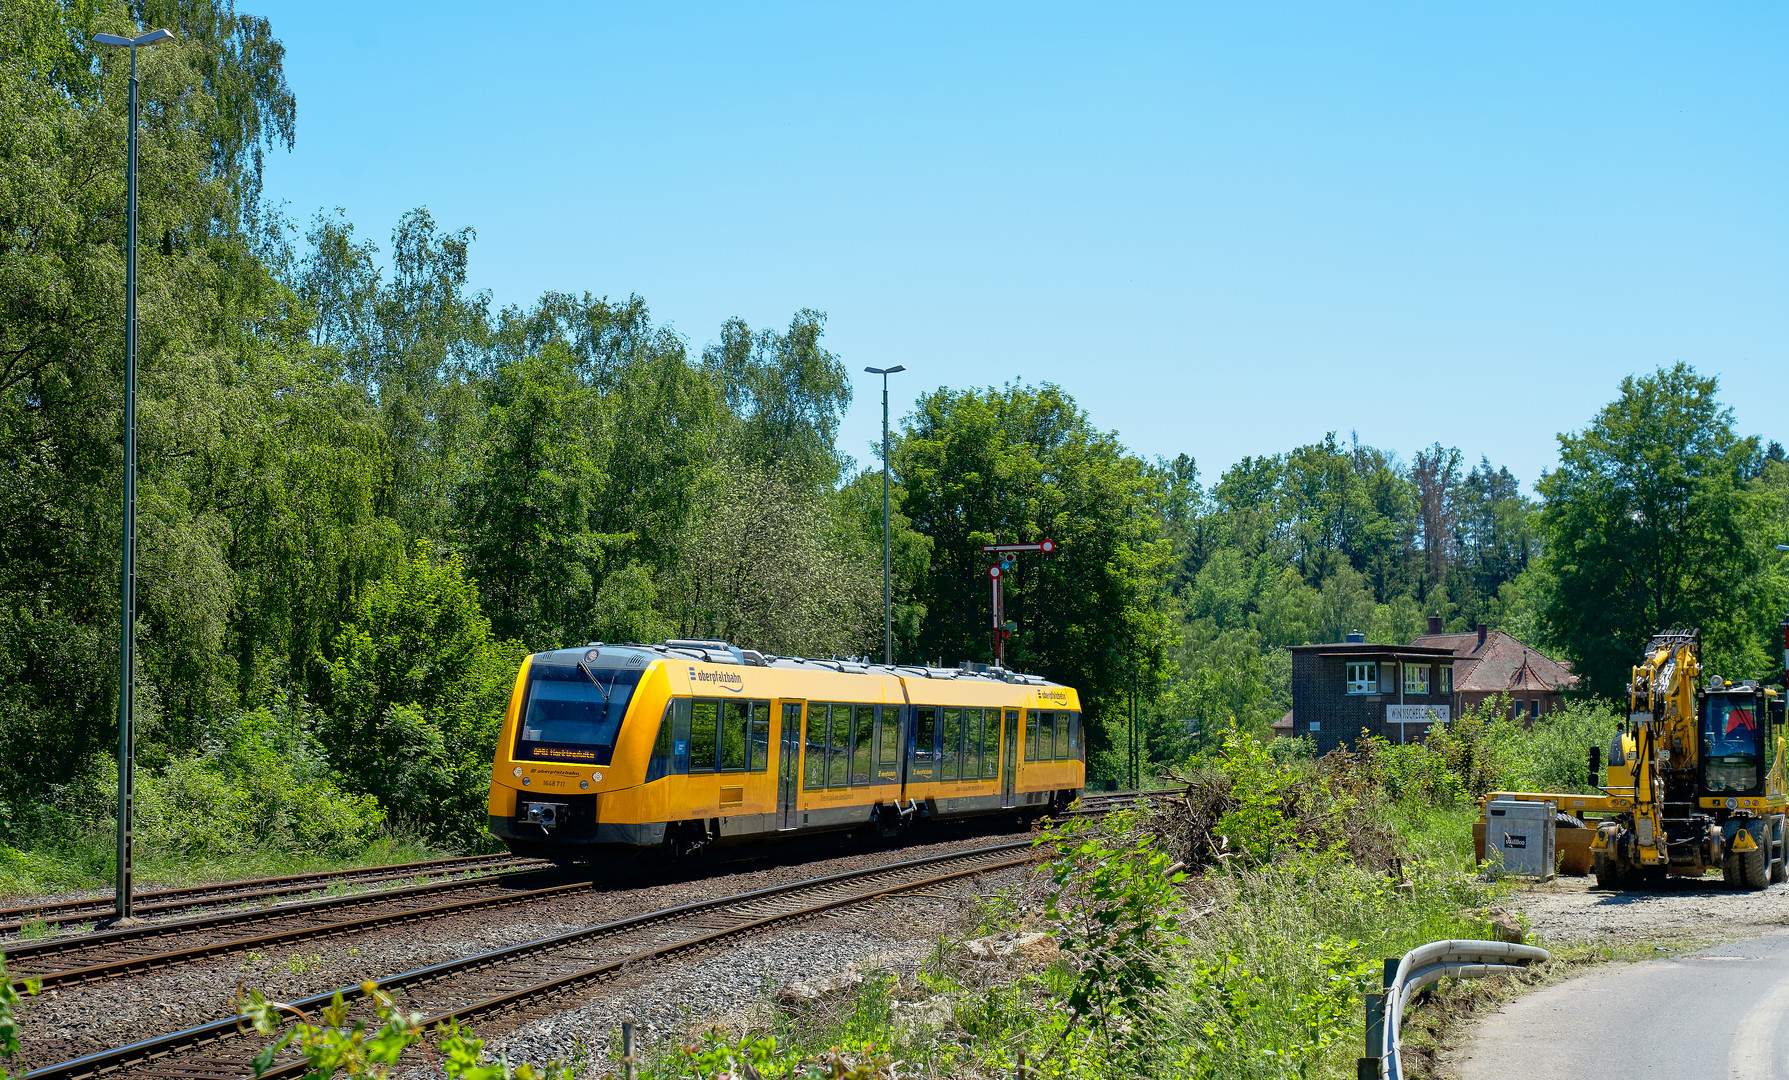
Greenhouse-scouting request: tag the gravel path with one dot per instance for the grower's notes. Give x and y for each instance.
(1571, 909)
(70, 1021)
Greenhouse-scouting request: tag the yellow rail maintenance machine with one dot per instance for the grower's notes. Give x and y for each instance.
(1694, 779)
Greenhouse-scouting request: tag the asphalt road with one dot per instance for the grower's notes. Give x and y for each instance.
(1722, 1012)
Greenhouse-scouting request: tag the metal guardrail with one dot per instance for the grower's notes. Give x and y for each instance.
(1419, 967)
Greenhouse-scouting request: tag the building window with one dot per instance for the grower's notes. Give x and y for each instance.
(1416, 678)
(1447, 679)
(1363, 678)
(1316, 725)
(1534, 708)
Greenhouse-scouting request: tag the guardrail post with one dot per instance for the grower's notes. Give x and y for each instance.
(1372, 1066)
(627, 1051)
(1375, 1023)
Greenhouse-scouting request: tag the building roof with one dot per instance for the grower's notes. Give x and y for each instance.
(1368, 648)
(1502, 663)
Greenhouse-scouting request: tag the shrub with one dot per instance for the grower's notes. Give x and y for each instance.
(420, 687)
(1486, 750)
(260, 782)
(1113, 909)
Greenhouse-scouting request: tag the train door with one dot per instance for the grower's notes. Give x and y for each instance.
(1009, 757)
(788, 770)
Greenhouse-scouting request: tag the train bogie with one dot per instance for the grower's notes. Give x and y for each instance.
(690, 744)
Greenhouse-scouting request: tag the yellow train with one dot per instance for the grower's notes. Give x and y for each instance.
(691, 743)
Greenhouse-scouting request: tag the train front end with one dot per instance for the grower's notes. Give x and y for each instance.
(571, 767)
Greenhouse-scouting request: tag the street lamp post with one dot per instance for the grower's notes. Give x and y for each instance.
(887, 601)
(128, 573)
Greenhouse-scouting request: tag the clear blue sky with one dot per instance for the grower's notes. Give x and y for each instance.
(1225, 229)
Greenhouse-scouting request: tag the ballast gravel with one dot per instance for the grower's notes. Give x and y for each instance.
(678, 1001)
(71, 1021)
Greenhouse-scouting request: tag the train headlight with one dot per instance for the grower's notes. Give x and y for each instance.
(518, 770)
(1731, 803)
(526, 780)
(583, 783)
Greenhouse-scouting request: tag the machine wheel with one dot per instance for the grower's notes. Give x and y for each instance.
(1563, 820)
(1779, 855)
(1749, 870)
(1608, 871)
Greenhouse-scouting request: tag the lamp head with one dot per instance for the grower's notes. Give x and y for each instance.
(886, 370)
(153, 37)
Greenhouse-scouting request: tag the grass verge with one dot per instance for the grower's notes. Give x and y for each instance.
(83, 866)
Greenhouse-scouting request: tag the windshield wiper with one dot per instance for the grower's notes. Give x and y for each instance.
(594, 681)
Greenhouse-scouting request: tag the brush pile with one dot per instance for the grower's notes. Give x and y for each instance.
(1327, 805)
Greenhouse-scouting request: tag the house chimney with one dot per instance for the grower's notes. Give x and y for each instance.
(1434, 624)
(1355, 637)
(1481, 634)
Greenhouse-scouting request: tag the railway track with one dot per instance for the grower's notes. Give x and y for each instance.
(116, 953)
(1102, 801)
(154, 902)
(539, 976)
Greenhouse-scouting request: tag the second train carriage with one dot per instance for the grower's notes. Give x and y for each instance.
(691, 743)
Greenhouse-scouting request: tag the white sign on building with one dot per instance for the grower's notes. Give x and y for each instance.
(1416, 714)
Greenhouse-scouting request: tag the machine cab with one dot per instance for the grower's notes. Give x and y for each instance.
(1739, 742)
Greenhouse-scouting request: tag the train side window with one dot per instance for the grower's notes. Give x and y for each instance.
(838, 748)
(889, 716)
(971, 744)
(1031, 735)
(863, 745)
(952, 754)
(925, 734)
(1061, 736)
(1046, 735)
(813, 766)
(736, 723)
(760, 736)
(990, 746)
(1074, 736)
(704, 729)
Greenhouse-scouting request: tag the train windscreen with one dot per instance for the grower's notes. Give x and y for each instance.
(573, 713)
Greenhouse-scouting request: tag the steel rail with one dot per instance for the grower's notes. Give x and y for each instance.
(150, 1052)
(118, 953)
(131, 965)
(150, 901)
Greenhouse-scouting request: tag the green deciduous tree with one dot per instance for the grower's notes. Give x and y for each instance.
(1649, 525)
(1023, 464)
(766, 568)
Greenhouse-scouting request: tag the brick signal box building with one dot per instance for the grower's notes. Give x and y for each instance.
(1343, 689)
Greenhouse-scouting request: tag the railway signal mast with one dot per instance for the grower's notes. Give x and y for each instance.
(1009, 554)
